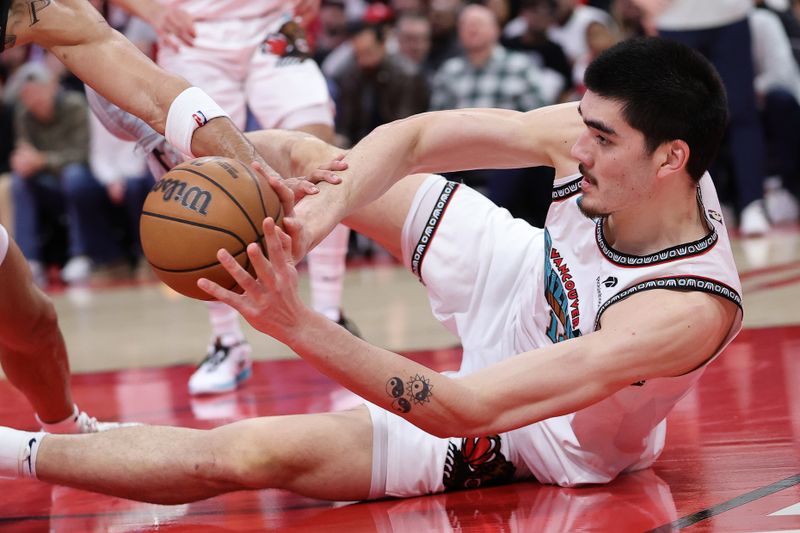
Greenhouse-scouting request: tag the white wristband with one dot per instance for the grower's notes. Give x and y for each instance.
(190, 110)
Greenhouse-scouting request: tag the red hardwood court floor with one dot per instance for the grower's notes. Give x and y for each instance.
(732, 461)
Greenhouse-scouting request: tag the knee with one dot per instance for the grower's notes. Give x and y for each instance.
(220, 464)
(44, 325)
(36, 329)
(243, 459)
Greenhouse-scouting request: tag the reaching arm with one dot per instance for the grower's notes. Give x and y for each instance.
(654, 334)
(446, 141)
(79, 36)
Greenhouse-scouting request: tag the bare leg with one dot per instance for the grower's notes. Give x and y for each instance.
(319, 455)
(32, 350)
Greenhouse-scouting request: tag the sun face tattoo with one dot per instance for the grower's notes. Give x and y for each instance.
(416, 392)
(419, 389)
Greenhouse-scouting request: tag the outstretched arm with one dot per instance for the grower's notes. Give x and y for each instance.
(79, 36)
(446, 141)
(655, 334)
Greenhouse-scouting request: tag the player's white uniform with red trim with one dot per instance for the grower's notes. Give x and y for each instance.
(248, 53)
(505, 288)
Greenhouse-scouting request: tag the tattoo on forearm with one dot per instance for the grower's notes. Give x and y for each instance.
(35, 7)
(416, 391)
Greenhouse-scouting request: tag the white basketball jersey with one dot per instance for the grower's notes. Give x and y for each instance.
(232, 9)
(583, 276)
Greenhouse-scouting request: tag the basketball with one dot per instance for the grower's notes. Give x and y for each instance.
(197, 208)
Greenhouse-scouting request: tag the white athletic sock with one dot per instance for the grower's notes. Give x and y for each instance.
(326, 266)
(68, 426)
(224, 322)
(18, 450)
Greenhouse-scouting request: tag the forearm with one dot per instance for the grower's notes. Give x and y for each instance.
(446, 141)
(432, 401)
(221, 137)
(137, 85)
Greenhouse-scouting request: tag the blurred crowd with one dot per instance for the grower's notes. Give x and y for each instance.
(71, 193)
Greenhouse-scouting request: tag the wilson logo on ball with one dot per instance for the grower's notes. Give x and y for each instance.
(193, 198)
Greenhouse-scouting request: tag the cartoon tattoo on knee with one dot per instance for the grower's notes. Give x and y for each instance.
(416, 391)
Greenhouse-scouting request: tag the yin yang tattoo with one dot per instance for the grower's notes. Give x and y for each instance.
(416, 391)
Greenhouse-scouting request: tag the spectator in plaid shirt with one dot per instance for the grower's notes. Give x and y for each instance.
(489, 75)
(486, 74)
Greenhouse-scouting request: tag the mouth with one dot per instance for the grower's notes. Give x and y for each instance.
(587, 177)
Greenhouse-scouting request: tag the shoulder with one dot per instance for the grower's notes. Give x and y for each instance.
(454, 65)
(518, 60)
(592, 14)
(402, 66)
(669, 332)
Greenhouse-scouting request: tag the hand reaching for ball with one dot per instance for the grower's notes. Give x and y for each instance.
(292, 190)
(269, 301)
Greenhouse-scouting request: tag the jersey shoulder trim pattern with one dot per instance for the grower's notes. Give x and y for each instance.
(430, 228)
(568, 190)
(679, 283)
(675, 253)
(682, 251)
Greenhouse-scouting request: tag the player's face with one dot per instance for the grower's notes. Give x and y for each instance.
(618, 172)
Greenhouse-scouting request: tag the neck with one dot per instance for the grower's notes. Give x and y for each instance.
(661, 222)
(479, 57)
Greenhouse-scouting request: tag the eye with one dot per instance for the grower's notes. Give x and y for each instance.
(601, 140)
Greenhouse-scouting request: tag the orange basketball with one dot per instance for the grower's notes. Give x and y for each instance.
(197, 208)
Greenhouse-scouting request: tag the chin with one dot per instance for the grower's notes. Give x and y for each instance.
(590, 210)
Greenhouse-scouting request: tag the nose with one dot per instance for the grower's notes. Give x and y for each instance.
(580, 150)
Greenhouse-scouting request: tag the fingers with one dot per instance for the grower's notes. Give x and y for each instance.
(218, 293)
(327, 171)
(308, 187)
(319, 175)
(285, 195)
(294, 230)
(240, 275)
(261, 265)
(286, 244)
(275, 250)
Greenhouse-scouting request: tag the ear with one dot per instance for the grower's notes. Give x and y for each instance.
(673, 157)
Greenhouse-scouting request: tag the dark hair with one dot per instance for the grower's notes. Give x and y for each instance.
(549, 5)
(668, 92)
(358, 27)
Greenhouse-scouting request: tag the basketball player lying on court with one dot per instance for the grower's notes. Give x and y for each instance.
(578, 338)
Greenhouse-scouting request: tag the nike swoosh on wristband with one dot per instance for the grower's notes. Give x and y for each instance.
(30, 455)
